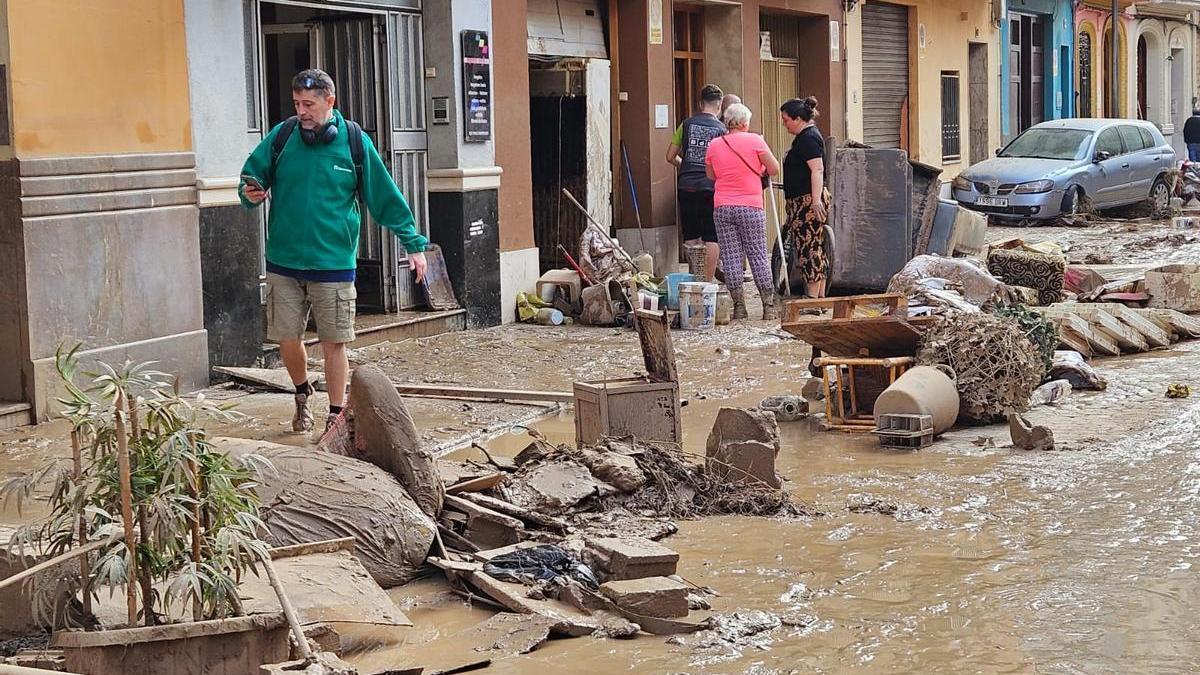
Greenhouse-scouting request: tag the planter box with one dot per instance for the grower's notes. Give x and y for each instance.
(634, 406)
(225, 646)
(1174, 287)
(645, 407)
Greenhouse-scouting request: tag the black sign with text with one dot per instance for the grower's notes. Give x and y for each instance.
(477, 86)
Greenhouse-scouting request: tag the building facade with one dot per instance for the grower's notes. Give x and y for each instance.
(1037, 39)
(924, 76)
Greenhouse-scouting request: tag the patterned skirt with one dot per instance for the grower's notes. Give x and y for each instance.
(807, 233)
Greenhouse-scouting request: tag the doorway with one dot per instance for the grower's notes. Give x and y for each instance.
(885, 60)
(570, 143)
(1027, 72)
(374, 58)
(782, 76)
(977, 103)
(688, 54)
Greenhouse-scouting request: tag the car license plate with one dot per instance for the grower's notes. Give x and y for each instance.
(992, 201)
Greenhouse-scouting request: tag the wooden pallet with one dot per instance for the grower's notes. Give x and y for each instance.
(1111, 329)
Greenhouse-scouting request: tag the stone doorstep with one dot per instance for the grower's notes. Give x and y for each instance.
(657, 597)
(632, 557)
(79, 639)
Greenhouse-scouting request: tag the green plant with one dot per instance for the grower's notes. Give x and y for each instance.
(1042, 332)
(175, 513)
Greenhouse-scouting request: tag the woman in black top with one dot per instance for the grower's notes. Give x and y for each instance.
(803, 177)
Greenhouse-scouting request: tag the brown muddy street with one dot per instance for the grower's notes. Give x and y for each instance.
(966, 556)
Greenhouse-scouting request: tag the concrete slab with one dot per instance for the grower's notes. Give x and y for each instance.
(653, 596)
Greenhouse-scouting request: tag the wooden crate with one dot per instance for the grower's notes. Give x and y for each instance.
(632, 406)
(646, 406)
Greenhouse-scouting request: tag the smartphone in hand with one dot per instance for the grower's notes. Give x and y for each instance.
(253, 182)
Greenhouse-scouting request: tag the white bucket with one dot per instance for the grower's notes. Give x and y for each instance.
(697, 305)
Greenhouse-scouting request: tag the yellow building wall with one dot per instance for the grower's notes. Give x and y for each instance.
(98, 77)
(949, 26)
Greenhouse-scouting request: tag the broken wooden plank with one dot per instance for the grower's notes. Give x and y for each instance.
(447, 391)
(489, 554)
(477, 484)
(568, 620)
(462, 566)
(326, 546)
(487, 528)
(271, 378)
(1162, 323)
(1099, 342)
(1074, 341)
(1154, 336)
(516, 511)
(346, 591)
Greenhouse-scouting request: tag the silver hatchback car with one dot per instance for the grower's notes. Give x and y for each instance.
(1062, 167)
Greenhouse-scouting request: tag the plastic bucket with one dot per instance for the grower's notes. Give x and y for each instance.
(673, 281)
(697, 305)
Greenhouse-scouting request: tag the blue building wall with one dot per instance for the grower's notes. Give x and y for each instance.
(1059, 79)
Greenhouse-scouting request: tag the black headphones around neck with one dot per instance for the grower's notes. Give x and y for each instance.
(323, 134)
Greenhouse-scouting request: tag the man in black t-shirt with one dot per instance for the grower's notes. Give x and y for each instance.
(694, 188)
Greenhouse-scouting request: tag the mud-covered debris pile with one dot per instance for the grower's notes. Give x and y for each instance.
(645, 479)
(996, 364)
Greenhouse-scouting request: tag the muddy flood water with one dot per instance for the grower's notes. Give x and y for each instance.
(966, 556)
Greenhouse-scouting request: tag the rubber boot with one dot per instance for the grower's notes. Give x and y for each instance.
(739, 302)
(770, 308)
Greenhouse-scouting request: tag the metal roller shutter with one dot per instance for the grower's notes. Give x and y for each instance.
(885, 72)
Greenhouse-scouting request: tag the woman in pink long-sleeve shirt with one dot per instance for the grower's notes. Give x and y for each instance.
(738, 163)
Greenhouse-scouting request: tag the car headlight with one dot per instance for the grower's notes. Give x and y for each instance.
(961, 183)
(1035, 186)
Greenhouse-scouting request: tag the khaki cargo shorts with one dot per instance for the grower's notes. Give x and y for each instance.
(289, 300)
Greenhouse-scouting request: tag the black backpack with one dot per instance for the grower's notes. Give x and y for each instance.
(354, 138)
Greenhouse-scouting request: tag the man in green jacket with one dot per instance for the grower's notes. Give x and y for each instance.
(312, 232)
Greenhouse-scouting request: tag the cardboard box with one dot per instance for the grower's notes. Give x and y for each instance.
(1174, 287)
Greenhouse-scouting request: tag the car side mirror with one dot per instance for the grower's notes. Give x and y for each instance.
(1100, 156)
(996, 152)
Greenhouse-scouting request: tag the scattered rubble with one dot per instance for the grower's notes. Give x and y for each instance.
(1026, 436)
(658, 597)
(743, 445)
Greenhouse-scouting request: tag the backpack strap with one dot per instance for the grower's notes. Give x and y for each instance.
(280, 140)
(354, 138)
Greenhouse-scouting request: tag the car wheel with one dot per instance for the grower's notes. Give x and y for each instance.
(1074, 202)
(1160, 198)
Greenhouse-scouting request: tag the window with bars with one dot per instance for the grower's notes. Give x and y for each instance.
(951, 138)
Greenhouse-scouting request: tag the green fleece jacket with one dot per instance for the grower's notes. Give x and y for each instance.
(314, 220)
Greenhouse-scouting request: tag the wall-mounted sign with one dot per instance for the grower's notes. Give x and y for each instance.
(654, 11)
(441, 110)
(477, 86)
(764, 46)
(835, 42)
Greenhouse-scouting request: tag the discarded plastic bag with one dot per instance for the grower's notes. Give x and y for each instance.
(540, 563)
(1051, 392)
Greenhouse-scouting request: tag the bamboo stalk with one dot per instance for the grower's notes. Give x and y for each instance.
(56, 560)
(85, 577)
(123, 471)
(147, 583)
(197, 602)
(288, 611)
